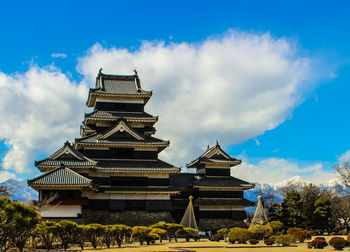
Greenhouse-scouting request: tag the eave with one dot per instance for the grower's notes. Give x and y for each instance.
(161, 146)
(151, 120)
(93, 94)
(221, 188)
(61, 187)
(47, 168)
(143, 171)
(196, 163)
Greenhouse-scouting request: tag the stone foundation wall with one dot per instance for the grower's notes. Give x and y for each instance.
(130, 218)
(215, 224)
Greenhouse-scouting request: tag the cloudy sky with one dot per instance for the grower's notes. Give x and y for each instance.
(268, 81)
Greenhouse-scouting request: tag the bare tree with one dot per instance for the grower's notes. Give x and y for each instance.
(48, 200)
(268, 196)
(341, 211)
(344, 173)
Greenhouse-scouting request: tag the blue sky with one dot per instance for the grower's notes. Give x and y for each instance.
(314, 131)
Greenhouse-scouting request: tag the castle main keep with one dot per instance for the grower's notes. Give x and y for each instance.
(112, 173)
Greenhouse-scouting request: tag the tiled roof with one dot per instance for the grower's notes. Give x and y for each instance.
(225, 201)
(60, 176)
(214, 155)
(95, 139)
(118, 115)
(48, 162)
(58, 158)
(222, 182)
(119, 84)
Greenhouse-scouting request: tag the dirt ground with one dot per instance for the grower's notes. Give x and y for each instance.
(207, 246)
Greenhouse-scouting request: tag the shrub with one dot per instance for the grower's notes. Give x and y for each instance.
(141, 232)
(223, 232)
(276, 226)
(317, 232)
(338, 243)
(151, 237)
(80, 235)
(216, 237)
(66, 231)
(188, 233)
(300, 234)
(285, 240)
(260, 230)
(18, 220)
(93, 233)
(159, 231)
(253, 241)
(240, 235)
(269, 241)
(120, 232)
(171, 229)
(318, 243)
(107, 235)
(45, 232)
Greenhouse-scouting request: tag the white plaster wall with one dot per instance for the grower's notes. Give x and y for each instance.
(60, 211)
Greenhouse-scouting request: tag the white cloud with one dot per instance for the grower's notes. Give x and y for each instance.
(40, 109)
(231, 88)
(344, 157)
(5, 175)
(275, 170)
(59, 55)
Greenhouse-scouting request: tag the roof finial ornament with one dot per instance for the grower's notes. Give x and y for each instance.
(100, 71)
(208, 146)
(135, 71)
(217, 143)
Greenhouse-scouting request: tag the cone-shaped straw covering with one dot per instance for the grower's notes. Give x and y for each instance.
(260, 217)
(189, 219)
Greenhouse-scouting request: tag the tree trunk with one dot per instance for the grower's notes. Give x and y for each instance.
(81, 244)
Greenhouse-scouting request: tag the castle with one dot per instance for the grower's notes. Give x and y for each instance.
(112, 174)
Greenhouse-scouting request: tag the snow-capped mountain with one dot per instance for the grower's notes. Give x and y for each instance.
(295, 181)
(19, 190)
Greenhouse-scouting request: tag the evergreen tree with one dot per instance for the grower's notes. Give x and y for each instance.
(322, 214)
(292, 209)
(275, 212)
(309, 195)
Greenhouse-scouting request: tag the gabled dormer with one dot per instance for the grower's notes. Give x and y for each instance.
(121, 130)
(214, 162)
(67, 156)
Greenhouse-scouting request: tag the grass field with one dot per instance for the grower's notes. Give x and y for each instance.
(207, 246)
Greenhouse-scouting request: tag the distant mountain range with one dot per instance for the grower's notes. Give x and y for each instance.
(20, 191)
(277, 189)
